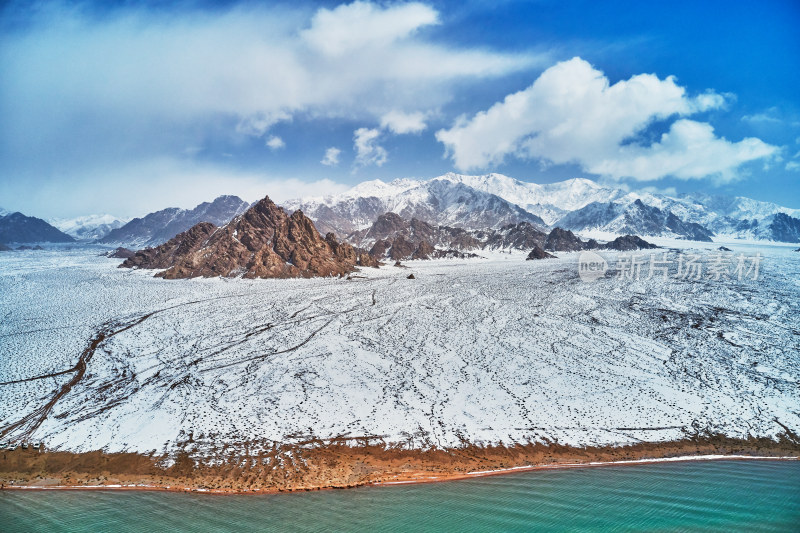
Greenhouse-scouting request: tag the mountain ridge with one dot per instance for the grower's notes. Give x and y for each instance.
(18, 228)
(687, 216)
(160, 226)
(262, 242)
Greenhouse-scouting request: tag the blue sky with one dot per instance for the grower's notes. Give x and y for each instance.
(130, 107)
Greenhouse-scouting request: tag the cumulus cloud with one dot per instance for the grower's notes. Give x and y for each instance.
(401, 123)
(256, 66)
(348, 28)
(572, 114)
(331, 157)
(86, 87)
(275, 143)
(368, 151)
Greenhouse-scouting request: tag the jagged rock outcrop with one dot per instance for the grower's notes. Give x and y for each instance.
(263, 242)
(562, 240)
(538, 253)
(120, 253)
(388, 226)
(520, 236)
(628, 243)
(174, 250)
(784, 228)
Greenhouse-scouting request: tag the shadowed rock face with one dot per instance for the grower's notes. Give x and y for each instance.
(263, 242)
(172, 251)
(628, 243)
(17, 227)
(538, 253)
(561, 240)
(121, 253)
(156, 228)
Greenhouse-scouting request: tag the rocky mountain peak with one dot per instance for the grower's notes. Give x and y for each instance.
(563, 240)
(263, 242)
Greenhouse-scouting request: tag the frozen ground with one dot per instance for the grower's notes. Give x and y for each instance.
(489, 350)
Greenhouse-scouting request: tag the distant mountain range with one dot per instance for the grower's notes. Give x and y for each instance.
(18, 228)
(88, 228)
(492, 209)
(159, 227)
(393, 237)
(438, 201)
(492, 201)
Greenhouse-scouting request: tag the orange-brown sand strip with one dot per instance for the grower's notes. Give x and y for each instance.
(336, 465)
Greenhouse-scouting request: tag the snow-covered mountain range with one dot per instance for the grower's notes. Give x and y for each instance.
(159, 227)
(495, 200)
(439, 201)
(89, 227)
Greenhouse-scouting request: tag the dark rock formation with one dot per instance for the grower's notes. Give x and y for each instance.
(174, 250)
(264, 242)
(628, 243)
(538, 253)
(723, 249)
(562, 240)
(520, 236)
(784, 228)
(17, 227)
(423, 251)
(4, 248)
(24, 247)
(120, 253)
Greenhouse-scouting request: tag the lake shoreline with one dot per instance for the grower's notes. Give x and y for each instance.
(341, 467)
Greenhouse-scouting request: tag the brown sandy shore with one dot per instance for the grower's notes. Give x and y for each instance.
(337, 466)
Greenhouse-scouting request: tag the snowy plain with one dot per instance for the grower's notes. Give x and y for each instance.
(488, 350)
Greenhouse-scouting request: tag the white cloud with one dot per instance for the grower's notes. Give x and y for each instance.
(765, 117)
(120, 78)
(351, 27)
(258, 124)
(400, 123)
(275, 143)
(87, 89)
(368, 152)
(793, 166)
(331, 157)
(688, 150)
(572, 114)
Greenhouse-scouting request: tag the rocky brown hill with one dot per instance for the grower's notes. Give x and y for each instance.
(263, 242)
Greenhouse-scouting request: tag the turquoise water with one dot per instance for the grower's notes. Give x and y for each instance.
(702, 496)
